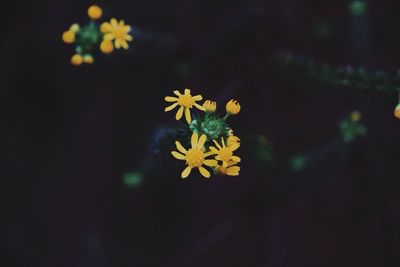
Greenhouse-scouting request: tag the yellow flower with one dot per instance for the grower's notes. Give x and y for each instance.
(397, 111)
(230, 169)
(117, 31)
(95, 12)
(210, 106)
(106, 47)
(68, 37)
(233, 140)
(88, 59)
(74, 27)
(233, 107)
(195, 156)
(77, 60)
(186, 101)
(355, 116)
(225, 153)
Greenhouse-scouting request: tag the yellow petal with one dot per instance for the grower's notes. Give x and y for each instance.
(199, 107)
(178, 155)
(233, 171)
(202, 141)
(179, 114)
(171, 99)
(105, 27)
(187, 91)
(114, 22)
(208, 154)
(187, 115)
(198, 98)
(186, 172)
(204, 172)
(194, 139)
(180, 147)
(129, 37)
(109, 36)
(117, 44)
(236, 158)
(234, 146)
(127, 28)
(176, 92)
(210, 162)
(169, 108)
(124, 44)
(213, 150)
(216, 143)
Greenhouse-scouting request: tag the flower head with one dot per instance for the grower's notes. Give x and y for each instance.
(88, 59)
(74, 27)
(68, 37)
(397, 111)
(233, 107)
(117, 31)
(230, 169)
(225, 153)
(106, 47)
(355, 116)
(186, 101)
(233, 140)
(77, 60)
(195, 156)
(95, 12)
(210, 106)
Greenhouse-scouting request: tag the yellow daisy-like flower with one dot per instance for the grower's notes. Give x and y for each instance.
(186, 101)
(68, 37)
(77, 60)
(233, 140)
(106, 47)
(210, 106)
(230, 169)
(397, 111)
(233, 107)
(95, 12)
(117, 31)
(225, 153)
(195, 156)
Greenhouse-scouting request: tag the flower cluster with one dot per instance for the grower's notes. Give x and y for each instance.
(93, 37)
(211, 141)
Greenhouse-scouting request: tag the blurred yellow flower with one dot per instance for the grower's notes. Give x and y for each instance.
(117, 31)
(397, 111)
(195, 156)
(233, 107)
(95, 12)
(230, 169)
(210, 106)
(225, 153)
(76, 60)
(88, 59)
(68, 37)
(186, 101)
(355, 116)
(74, 27)
(106, 47)
(233, 140)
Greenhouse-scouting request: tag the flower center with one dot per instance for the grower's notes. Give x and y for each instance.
(119, 33)
(186, 101)
(194, 157)
(225, 154)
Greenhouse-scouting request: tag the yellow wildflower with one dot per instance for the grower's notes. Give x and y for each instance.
(225, 153)
(397, 111)
(230, 169)
(195, 156)
(88, 59)
(68, 37)
(233, 140)
(233, 107)
(186, 101)
(77, 60)
(117, 31)
(106, 47)
(210, 106)
(74, 27)
(95, 12)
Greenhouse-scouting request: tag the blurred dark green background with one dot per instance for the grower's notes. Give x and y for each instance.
(69, 135)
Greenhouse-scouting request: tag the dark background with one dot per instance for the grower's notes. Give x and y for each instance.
(69, 134)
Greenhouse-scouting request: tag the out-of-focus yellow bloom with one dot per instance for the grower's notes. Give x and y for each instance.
(88, 59)
(68, 37)
(355, 116)
(195, 156)
(233, 107)
(106, 47)
(210, 106)
(233, 140)
(74, 27)
(397, 111)
(76, 60)
(230, 169)
(225, 153)
(117, 31)
(186, 101)
(95, 12)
